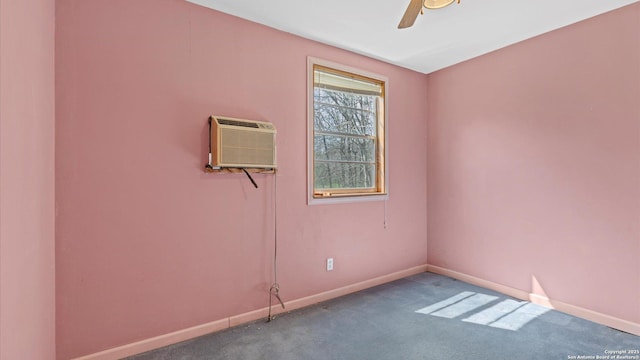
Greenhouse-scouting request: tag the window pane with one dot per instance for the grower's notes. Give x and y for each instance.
(337, 111)
(344, 148)
(330, 175)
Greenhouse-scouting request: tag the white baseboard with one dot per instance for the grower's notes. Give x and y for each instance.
(600, 318)
(196, 331)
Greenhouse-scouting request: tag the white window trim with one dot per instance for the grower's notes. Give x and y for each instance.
(311, 61)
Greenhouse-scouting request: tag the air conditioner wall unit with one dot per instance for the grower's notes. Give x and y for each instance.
(240, 143)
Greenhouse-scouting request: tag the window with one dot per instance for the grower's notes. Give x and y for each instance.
(346, 133)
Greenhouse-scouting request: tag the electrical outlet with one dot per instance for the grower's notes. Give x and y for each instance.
(329, 264)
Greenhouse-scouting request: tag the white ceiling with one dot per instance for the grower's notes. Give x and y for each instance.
(438, 39)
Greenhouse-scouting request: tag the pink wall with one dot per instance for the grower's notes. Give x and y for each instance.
(146, 242)
(534, 165)
(27, 279)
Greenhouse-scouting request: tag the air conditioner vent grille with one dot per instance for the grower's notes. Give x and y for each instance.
(244, 147)
(237, 123)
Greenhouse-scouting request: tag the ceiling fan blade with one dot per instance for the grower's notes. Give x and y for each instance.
(409, 17)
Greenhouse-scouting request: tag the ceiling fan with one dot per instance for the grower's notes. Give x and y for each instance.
(415, 8)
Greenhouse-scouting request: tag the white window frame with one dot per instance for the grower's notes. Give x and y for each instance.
(351, 197)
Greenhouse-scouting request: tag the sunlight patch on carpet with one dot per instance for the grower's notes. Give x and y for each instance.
(507, 314)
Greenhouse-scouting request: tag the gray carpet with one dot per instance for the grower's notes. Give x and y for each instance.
(422, 317)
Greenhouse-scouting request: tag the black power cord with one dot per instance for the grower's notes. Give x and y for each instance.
(250, 178)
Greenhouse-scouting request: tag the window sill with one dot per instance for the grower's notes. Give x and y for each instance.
(345, 199)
